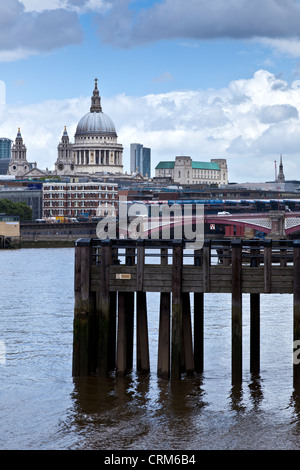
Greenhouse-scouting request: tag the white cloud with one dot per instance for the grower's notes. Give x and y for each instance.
(250, 122)
(80, 6)
(125, 24)
(41, 5)
(16, 54)
(287, 46)
(23, 32)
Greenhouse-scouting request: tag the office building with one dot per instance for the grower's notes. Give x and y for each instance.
(5, 154)
(140, 159)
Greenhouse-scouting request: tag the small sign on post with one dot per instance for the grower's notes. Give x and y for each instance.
(123, 276)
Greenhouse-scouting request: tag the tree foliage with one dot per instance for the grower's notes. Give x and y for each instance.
(16, 208)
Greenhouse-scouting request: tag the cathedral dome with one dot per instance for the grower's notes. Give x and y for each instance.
(95, 122)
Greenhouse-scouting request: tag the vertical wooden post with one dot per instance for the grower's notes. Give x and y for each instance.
(187, 334)
(163, 360)
(84, 319)
(112, 334)
(267, 265)
(143, 363)
(254, 333)
(105, 314)
(226, 253)
(142, 342)
(198, 323)
(283, 253)
(254, 319)
(121, 365)
(206, 265)
(125, 325)
(236, 312)
(125, 332)
(176, 350)
(296, 322)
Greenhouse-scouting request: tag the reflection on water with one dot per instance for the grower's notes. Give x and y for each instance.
(43, 407)
(119, 412)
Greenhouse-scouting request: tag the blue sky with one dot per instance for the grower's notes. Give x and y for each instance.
(205, 78)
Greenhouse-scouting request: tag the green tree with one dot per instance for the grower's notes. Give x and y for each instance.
(16, 208)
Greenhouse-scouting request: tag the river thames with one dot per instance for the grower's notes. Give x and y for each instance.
(42, 407)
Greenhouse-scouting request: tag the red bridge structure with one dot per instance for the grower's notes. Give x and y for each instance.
(273, 224)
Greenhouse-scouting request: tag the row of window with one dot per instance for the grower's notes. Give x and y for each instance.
(79, 196)
(204, 174)
(74, 204)
(80, 188)
(72, 213)
(97, 138)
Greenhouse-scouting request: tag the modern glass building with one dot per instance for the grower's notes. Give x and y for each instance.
(5, 154)
(140, 159)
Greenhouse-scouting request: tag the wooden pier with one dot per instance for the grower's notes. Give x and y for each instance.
(113, 278)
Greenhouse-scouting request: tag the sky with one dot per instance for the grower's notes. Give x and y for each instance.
(204, 78)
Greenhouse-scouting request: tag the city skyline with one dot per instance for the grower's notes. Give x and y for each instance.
(206, 79)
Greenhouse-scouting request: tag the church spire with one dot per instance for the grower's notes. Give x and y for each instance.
(96, 100)
(281, 177)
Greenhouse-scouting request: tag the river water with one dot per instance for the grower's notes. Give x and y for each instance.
(43, 408)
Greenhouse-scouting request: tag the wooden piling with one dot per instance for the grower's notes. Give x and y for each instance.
(105, 315)
(163, 359)
(206, 265)
(125, 324)
(121, 364)
(254, 333)
(143, 363)
(296, 316)
(176, 347)
(198, 322)
(142, 342)
(84, 347)
(101, 282)
(236, 311)
(125, 333)
(254, 316)
(267, 265)
(188, 353)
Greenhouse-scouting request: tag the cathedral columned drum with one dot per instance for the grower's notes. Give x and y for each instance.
(95, 149)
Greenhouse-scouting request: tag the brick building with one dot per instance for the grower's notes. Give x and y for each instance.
(79, 199)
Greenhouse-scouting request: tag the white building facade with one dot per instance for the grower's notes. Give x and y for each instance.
(186, 171)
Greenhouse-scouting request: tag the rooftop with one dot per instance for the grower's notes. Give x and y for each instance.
(195, 165)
